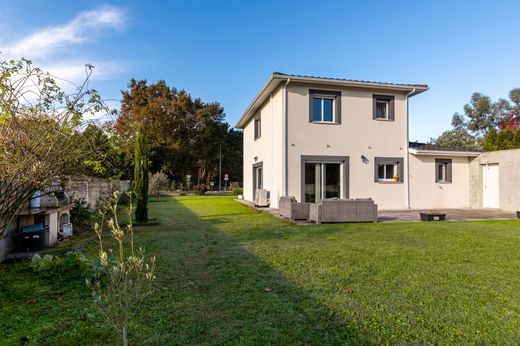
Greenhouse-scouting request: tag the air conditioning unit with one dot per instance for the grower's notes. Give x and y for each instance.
(262, 198)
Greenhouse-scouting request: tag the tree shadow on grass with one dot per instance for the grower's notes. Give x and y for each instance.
(210, 289)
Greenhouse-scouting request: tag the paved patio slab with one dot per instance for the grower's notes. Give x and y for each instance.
(451, 214)
(413, 214)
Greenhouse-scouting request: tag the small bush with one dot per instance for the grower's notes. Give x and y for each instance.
(158, 182)
(128, 273)
(235, 188)
(81, 216)
(200, 189)
(72, 265)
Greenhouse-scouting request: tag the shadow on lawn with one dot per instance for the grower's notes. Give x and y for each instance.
(212, 290)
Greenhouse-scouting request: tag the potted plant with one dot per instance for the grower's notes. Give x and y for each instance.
(431, 216)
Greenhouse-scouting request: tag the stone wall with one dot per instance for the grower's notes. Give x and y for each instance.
(92, 190)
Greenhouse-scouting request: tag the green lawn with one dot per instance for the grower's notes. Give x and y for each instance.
(228, 274)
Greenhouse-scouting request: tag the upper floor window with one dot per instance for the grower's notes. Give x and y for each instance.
(323, 109)
(383, 107)
(258, 126)
(325, 106)
(443, 170)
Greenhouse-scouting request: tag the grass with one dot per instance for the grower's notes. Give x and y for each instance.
(228, 274)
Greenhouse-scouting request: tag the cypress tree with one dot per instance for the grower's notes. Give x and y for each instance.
(141, 176)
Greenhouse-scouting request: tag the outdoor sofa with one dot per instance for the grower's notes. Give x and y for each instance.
(292, 209)
(343, 210)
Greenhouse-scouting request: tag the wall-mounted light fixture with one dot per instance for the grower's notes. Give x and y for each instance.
(255, 158)
(328, 146)
(364, 159)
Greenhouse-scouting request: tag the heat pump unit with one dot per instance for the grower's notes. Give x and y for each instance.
(261, 198)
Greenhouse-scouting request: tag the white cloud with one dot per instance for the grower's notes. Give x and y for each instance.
(46, 48)
(84, 27)
(75, 70)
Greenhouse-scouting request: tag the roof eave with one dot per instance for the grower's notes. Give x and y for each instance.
(443, 152)
(268, 85)
(416, 89)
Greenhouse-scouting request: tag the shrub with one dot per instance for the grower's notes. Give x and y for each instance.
(200, 189)
(81, 216)
(72, 265)
(158, 182)
(127, 273)
(141, 162)
(235, 188)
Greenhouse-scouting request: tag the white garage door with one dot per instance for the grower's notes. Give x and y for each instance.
(490, 186)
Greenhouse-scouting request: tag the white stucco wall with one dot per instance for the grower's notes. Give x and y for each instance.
(425, 193)
(266, 149)
(357, 135)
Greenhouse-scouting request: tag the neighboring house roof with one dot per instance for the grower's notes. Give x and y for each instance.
(277, 78)
(434, 149)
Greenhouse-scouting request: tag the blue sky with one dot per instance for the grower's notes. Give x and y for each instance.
(225, 50)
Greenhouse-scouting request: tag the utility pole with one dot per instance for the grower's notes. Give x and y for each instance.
(220, 167)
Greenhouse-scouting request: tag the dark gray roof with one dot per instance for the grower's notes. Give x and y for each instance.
(351, 80)
(435, 147)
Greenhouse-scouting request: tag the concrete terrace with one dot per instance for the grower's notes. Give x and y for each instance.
(412, 215)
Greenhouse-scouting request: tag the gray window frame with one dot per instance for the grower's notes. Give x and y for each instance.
(319, 158)
(336, 95)
(257, 128)
(391, 111)
(449, 177)
(389, 160)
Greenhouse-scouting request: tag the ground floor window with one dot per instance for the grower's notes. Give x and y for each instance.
(322, 180)
(388, 170)
(443, 170)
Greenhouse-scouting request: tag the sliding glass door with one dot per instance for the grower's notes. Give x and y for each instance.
(322, 180)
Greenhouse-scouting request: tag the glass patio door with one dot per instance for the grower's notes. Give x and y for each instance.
(258, 178)
(322, 180)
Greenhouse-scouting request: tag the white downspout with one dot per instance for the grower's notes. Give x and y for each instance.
(277, 192)
(407, 149)
(286, 138)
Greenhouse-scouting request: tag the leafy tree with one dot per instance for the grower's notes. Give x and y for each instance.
(158, 182)
(483, 114)
(506, 137)
(38, 123)
(486, 124)
(141, 176)
(514, 96)
(458, 137)
(105, 157)
(184, 133)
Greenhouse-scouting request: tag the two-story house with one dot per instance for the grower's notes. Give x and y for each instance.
(315, 138)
